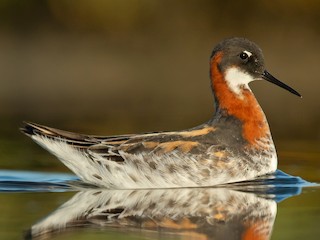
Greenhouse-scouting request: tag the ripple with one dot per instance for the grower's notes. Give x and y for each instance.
(277, 186)
(28, 181)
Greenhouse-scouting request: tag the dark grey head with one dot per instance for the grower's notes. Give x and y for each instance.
(241, 61)
(242, 53)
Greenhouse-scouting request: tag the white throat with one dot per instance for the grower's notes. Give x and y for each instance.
(238, 80)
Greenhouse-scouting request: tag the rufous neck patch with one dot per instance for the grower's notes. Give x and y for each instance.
(244, 108)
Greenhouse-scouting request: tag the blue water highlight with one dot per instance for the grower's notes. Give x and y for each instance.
(29, 181)
(277, 186)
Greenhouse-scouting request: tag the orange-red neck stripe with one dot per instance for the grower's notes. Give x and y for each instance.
(246, 108)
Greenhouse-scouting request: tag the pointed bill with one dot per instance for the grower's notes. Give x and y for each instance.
(267, 76)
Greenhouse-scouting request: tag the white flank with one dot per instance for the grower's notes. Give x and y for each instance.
(76, 161)
(237, 79)
(136, 172)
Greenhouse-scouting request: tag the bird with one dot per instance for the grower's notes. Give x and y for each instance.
(235, 145)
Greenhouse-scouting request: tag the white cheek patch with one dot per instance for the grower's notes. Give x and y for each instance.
(237, 79)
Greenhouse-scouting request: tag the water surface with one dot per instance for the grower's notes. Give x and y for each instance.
(51, 203)
(40, 205)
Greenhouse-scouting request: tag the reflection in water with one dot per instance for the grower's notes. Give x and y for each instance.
(243, 210)
(200, 213)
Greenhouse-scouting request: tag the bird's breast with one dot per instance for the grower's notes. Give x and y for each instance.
(243, 107)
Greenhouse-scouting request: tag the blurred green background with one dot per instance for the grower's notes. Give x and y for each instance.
(115, 67)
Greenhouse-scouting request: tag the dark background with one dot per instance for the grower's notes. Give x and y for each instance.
(129, 66)
(115, 67)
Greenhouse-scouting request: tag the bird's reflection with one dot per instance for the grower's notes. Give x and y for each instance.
(197, 213)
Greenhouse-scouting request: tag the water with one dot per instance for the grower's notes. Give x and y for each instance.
(25, 181)
(50, 203)
(39, 205)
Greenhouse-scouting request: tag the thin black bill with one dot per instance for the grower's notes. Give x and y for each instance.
(267, 76)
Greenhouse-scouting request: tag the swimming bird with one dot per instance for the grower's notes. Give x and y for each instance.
(235, 145)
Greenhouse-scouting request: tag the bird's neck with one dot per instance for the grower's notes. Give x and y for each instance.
(242, 106)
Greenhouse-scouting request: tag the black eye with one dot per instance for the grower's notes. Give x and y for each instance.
(243, 55)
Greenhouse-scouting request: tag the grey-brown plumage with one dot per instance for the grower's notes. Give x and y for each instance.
(234, 145)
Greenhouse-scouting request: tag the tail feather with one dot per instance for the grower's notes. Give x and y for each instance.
(70, 148)
(33, 129)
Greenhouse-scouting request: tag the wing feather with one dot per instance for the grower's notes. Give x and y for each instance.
(117, 148)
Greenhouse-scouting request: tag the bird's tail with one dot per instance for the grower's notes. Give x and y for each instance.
(77, 140)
